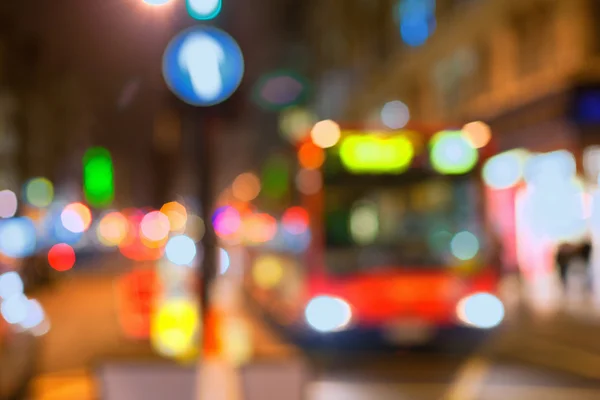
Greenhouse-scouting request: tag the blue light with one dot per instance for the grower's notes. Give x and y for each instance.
(204, 10)
(417, 21)
(17, 237)
(203, 66)
(414, 32)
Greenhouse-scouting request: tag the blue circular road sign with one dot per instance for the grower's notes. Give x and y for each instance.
(203, 66)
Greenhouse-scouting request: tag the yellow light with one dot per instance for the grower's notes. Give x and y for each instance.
(267, 272)
(372, 154)
(478, 133)
(175, 327)
(326, 134)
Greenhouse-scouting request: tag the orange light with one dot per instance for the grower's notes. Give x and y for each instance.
(246, 187)
(478, 133)
(260, 228)
(61, 257)
(177, 215)
(112, 229)
(311, 156)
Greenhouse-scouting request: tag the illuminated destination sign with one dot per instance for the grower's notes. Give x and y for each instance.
(360, 153)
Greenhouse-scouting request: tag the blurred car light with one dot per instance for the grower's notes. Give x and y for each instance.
(480, 310)
(328, 314)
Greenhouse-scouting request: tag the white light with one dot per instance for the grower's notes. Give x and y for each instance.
(35, 315)
(504, 170)
(201, 56)
(550, 168)
(364, 223)
(14, 309)
(464, 245)
(155, 226)
(11, 285)
(223, 261)
(328, 314)
(181, 250)
(72, 221)
(17, 237)
(8, 204)
(481, 310)
(395, 115)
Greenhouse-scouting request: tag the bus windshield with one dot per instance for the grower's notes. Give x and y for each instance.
(432, 222)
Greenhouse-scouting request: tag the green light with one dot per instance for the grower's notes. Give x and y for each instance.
(368, 154)
(98, 181)
(39, 192)
(452, 154)
(276, 178)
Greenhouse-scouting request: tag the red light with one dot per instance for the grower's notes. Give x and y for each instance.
(295, 220)
(61, 257)
(137, 292)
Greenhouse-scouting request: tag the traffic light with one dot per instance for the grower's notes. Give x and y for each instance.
(98, 179)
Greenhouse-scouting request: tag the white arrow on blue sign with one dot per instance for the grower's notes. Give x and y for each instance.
(203, 66)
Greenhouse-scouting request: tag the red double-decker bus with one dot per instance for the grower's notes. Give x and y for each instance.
(399, 244)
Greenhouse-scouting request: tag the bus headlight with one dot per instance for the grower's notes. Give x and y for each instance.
(328, 314)
(480, 310)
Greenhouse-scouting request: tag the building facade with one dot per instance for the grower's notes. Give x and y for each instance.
(528, 68)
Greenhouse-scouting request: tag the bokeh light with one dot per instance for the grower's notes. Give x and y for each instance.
(246, 187)
(112, 229)
(260, 228)
(8, 204)
(395, 114)
(35, 315)
(181, 250)
(226, 221)
(224, 261)
(481, 310)
(326, 134)
(14, 309)
(369, 154)
(155, 226)
(505, 170)
(295, 123)
(464, 246)
(39, 192)
(477, 133)
(11, 284)
(295, 220)
(309, 181)
(267, 272)
(98, 177)
(175, 326)
(364, 223)
(328, 314)
(177, 215)
(61, 257)
(204, 10)
(76, 217)
(311, 156)
(452, 153)
(17, 237)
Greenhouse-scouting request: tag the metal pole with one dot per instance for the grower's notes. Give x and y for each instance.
(206, 172)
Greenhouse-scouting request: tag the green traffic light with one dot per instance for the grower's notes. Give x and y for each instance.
(98, 179)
